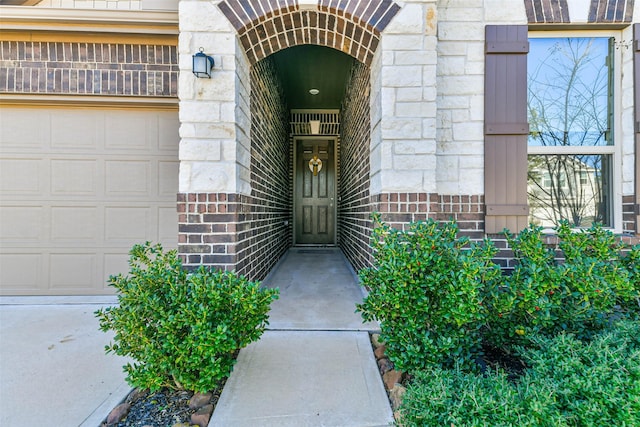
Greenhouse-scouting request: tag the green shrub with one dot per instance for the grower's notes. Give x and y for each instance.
(181, 329)
(631, 262)
(531, 296)
(595, 382)
(568, 383)
(581, 294)
(426, 289)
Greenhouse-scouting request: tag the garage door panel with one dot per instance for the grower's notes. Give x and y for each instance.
(71, 223)
(76, 129)
(130, 131)
(167, 124)
(127, 178)
(20, 176)
(21, 224)
(72, 270)
(168, 172)
(18, 130)
(21, 271)
(168, 225)
(127, 224)
(73, 177)
(114, 264)
(72, 205)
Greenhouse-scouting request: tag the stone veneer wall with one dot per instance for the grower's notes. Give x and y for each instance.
(88, 68)
(354, 208)
(247, 234)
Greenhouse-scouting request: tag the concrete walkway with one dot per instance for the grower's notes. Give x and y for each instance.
(314, 366)
(53, 368)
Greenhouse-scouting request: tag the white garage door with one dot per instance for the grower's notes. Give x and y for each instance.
(78, 187)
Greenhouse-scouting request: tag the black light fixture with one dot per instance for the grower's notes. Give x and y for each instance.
(202, 64)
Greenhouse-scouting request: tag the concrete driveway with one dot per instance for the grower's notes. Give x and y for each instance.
(53, 368)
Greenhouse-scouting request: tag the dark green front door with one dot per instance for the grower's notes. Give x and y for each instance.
(315, 192)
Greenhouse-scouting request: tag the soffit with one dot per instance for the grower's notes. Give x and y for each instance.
(302, 68)
(104, 21)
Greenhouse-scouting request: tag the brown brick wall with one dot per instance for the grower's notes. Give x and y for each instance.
(74, 68)
(247, 234)
(628, 214)
(354, 209)
(270, 230)
(466, 210)
(399, 209)
(208, 226)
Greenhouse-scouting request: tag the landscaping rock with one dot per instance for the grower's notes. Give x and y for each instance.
(384, 365)
(395, 396)
(391, 378)
(118, 413)
(198, 400)
(379, 352)
(202, 416)
(136, 394)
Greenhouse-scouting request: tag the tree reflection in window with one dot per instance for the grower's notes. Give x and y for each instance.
(569, 112)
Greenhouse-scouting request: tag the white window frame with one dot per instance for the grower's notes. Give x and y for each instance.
(616, 149)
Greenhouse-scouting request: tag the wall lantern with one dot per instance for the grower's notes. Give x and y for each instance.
(202, 64)
(315, 126)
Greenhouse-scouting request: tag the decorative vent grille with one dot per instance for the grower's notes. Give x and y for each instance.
(329, 122)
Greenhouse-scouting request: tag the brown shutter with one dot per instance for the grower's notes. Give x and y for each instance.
(636, 85)
(506, 128)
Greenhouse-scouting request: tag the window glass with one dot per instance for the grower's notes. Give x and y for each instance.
(571, 142)
(568, 82)
(571, 187)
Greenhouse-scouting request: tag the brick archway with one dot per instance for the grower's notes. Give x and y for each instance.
(267, 26)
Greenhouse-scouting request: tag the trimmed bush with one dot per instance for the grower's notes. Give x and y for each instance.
(181, 329)
(581, 294)
(426, 289)
(631, 261)
(569, 383)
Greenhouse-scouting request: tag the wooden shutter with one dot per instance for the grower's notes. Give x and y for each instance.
(636, 85)
(506, 128)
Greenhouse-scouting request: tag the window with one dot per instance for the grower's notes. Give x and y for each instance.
(571, 143)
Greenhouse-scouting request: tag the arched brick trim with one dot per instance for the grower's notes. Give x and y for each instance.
(605, 11)
(547, 11)
(267, 26)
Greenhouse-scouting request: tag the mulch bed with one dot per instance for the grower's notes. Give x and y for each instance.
(164, 408)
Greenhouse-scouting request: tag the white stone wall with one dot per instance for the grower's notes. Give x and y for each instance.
(213, 112)
(403, 105)
(427, 100)
(460, 88)
(375, 159)
(242, 113)
(626, 127)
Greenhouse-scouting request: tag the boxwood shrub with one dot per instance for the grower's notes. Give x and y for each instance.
(426, 288)
(595, 282)
(181, 329)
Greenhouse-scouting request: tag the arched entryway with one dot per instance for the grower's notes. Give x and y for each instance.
(282, 51)
(323, 97)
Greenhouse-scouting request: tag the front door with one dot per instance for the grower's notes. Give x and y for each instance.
(315, 192)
